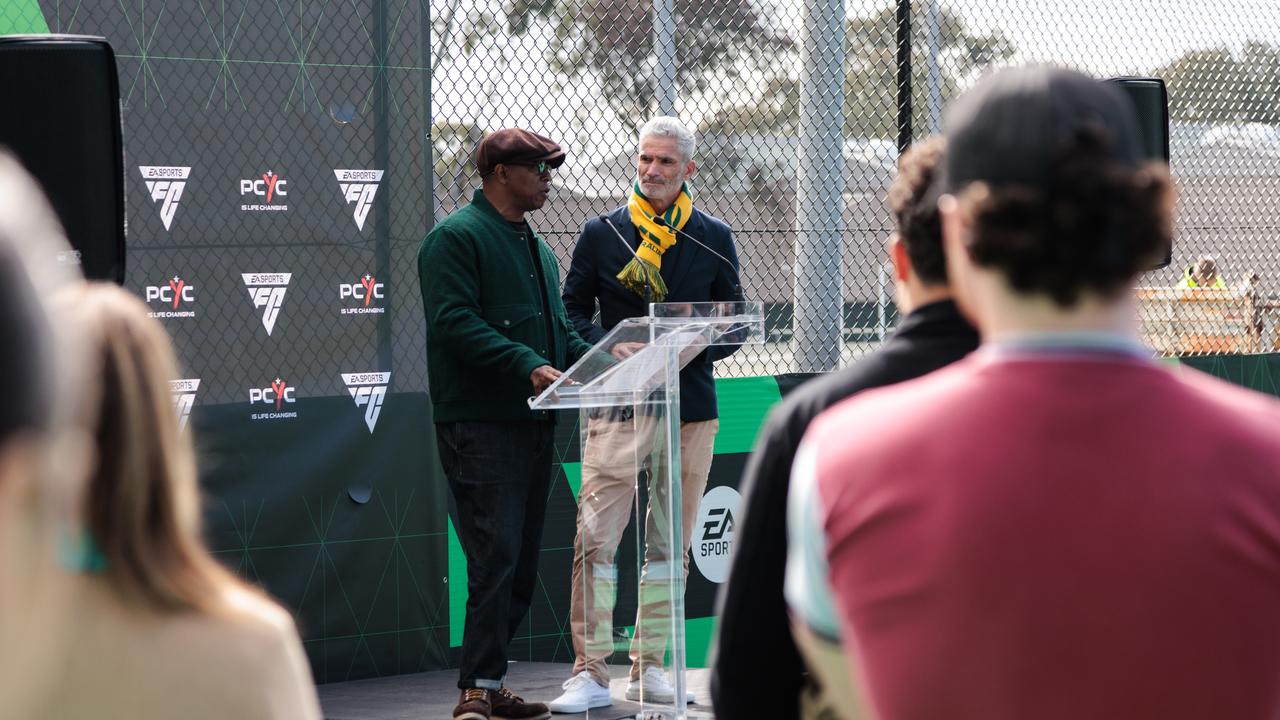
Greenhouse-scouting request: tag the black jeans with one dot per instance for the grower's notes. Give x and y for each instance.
(499, 473)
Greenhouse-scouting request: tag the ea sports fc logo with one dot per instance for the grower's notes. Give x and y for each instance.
(359, 187)
(278, 396)
(368, 390)
(172, 296)
(165, 185)
(184, 398)
(267, 292)
(713, 533)
(364, 294)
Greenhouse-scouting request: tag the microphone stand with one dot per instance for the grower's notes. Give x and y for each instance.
(648, 288)
(661, 221)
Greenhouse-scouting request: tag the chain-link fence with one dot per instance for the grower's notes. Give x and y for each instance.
(276, 170)
(586, 72)
(284, 160)
(298, 91)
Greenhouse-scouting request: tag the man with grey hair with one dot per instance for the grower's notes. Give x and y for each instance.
(656, 248)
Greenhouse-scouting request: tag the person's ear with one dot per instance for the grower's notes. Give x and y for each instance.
(955, 227)
(898, 256)
(690, 169)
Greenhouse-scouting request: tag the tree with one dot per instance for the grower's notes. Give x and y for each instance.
(453, 146)
(1213, 85)
(871, 76)
(717, 40)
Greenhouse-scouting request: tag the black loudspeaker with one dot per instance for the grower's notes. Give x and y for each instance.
(61, 96)
(1151, 99)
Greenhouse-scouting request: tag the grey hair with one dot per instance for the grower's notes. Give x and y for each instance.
(668, 126)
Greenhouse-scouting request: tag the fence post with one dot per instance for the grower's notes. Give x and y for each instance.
(429, 149)
(819, 300)
(933, 21)
(664, 47)
(382, 160)
(904, 75)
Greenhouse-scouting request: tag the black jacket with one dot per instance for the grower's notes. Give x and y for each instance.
(754, 630)
(691, 272)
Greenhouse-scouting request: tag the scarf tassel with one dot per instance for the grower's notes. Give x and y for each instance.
(644, 279)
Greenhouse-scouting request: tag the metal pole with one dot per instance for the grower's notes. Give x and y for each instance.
(428, 150)
(664, 47)
(933, 21)
(381, 160)
(675, 528)
(819, 198)
(904, 75)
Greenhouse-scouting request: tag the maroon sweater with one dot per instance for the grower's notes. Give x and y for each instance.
(1051, 537)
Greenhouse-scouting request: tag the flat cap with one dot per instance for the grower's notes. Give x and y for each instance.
(516, 146)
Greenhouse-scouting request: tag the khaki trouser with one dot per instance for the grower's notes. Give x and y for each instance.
(613, 452)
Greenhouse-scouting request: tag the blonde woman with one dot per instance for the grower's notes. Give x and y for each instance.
(162, 629)
(43, 453)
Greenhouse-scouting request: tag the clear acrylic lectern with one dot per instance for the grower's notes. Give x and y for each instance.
(627, 391)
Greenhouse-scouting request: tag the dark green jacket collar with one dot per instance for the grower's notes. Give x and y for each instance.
(482, 203)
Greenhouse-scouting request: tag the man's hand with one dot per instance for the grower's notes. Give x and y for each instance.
(542, 377)
(624, 350)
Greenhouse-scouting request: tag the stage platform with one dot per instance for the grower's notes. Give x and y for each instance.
(431, 696)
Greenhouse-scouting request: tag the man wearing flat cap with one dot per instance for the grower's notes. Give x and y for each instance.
(496, 334)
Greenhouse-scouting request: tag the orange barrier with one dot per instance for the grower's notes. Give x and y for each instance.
(1181, 321)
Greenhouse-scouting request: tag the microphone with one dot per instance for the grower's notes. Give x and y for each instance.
(648, 289)
(662, 222)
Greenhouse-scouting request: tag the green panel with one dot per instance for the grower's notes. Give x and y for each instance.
(22, 17)
(573, 475)
(697, 641)
(743, 402)
(457, 587)
(1256, 372)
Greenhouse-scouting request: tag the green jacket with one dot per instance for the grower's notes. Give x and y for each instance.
(485, 326)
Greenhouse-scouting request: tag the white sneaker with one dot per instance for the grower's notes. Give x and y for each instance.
(654, 686)
(581, 692)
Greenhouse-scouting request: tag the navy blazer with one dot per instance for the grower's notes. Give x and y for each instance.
(692, 274)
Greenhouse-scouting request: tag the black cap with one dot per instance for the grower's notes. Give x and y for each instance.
(1006, 130)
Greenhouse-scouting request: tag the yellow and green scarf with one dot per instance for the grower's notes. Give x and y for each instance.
(642, 275)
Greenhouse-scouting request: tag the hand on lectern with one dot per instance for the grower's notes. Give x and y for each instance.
(624, 350)
(542, 377)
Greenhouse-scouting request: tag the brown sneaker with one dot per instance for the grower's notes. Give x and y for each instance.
(474, 705)
(506, 706)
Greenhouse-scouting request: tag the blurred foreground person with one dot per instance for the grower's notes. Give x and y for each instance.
(161, 629)
(43, 454)
(1057, 526)
(752, 611)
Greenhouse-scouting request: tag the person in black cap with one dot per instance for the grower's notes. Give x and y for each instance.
(496, 334)
(1057, 526)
